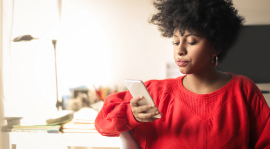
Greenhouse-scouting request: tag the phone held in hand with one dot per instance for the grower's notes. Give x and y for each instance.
(137, 88)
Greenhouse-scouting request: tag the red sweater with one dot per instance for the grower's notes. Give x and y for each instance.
(234, 117)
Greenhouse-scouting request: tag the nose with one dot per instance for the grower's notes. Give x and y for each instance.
(181, 50)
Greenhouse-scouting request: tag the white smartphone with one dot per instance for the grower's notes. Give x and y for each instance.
(137, 88)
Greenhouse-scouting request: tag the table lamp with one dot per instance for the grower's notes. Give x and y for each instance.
(29, 38)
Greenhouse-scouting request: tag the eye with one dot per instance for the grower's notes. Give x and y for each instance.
(192, 43)
(175, 43)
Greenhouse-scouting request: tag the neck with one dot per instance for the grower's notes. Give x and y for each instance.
(203, 82)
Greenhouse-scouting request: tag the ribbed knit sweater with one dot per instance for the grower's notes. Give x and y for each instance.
(235, 116)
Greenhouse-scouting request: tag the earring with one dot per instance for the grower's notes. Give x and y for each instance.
(216, 61)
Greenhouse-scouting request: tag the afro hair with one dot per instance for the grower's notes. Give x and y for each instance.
(218, 19)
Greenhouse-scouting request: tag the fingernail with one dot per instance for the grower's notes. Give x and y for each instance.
(152, 105)
(157, 112)
(141, 97)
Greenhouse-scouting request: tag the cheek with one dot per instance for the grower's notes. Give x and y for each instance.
(201, 55)
(174, 53)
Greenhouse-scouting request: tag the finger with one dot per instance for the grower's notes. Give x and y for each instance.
(134, 101)
(144, 108)
(147, 116)
(149, 120)
(134, 110)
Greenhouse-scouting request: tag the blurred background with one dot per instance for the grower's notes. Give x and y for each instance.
(99, 43)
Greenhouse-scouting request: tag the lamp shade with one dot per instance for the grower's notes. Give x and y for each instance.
(23, 38)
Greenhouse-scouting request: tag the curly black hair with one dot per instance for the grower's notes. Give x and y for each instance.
(216, 18)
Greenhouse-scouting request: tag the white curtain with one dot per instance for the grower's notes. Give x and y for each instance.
(6, 26)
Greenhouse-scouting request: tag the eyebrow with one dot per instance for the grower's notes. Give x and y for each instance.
(191, 34)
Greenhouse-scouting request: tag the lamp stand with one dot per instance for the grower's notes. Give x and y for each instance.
(58, 103)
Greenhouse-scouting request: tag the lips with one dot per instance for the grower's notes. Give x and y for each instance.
(182, 63)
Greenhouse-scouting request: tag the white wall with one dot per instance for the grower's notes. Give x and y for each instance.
(256, 12)
(115, 42)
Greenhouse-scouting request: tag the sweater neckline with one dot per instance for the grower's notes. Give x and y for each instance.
(225, 87)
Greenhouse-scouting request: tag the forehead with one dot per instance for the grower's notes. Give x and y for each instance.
(183, 32)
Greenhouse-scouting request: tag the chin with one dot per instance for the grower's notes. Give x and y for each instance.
(184, 71)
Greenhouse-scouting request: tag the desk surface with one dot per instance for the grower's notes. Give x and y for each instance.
(265, 86)
(59, 141)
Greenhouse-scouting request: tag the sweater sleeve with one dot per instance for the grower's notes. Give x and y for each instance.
(116, 115)
(260, 121)
(262, 135)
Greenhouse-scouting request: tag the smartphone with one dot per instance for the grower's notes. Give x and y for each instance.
(137, 88)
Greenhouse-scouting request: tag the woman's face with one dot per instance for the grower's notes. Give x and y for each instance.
(192, 52)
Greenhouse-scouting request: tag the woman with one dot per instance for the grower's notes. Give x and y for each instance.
(205, 108)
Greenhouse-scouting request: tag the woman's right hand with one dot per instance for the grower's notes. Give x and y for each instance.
(139, 111)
